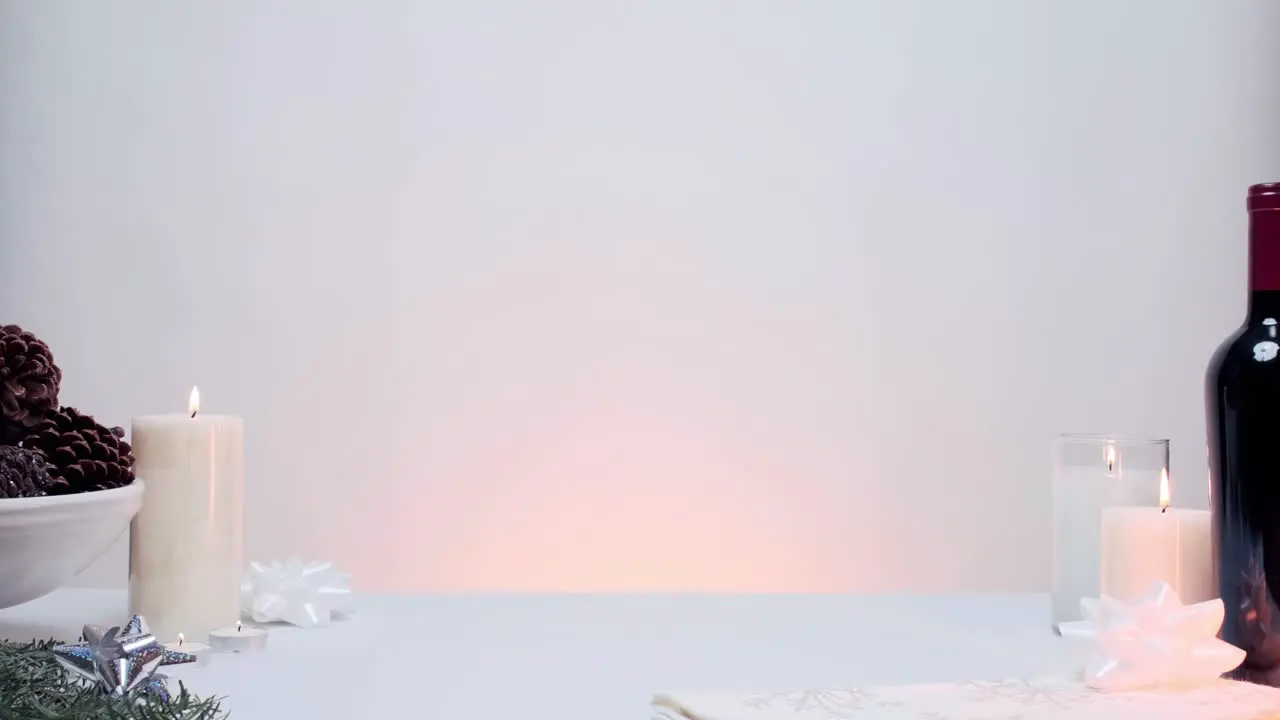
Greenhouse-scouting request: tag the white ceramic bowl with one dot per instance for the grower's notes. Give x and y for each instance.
(46, 541)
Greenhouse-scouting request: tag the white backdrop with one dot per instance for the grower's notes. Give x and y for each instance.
(668, 295)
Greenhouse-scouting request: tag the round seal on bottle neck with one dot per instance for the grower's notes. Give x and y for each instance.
(1265, 196)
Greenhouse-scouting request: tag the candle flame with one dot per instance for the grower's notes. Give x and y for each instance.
(193, 402)
(181, 640)
(239, 625)
(1164, 490)
(1111, 458)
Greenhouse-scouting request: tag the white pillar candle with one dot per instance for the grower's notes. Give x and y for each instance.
(1195, 556)
(1145, 545)
(185, 542)
(1139, 548)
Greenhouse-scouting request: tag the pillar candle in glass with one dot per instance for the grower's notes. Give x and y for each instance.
(1090, 473)
(185, 556)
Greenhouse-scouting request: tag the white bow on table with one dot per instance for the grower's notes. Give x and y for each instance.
(306, 594)
(1154, 641)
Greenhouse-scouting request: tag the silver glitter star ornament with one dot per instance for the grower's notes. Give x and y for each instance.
(122, 661)
(306, 594)
(1156, 641)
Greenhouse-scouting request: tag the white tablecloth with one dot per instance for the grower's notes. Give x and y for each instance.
(516, 657)
(1064, 698)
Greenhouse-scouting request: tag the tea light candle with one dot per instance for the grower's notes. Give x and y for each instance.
(185, 543)
(200, 650)
(239, 639)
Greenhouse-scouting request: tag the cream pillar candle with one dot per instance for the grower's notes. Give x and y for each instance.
(1195, 556)
(1139, 548)
(185, 543)
(1145, 545)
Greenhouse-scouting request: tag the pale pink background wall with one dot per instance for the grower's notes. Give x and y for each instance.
(581, 295)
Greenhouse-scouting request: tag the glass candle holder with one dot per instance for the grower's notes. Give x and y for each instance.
(1090, 473)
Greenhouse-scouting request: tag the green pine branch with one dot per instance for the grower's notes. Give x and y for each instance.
(33, 686)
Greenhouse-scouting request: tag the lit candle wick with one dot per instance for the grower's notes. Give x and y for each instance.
(193, 401)
(238, 625)
(180, 640)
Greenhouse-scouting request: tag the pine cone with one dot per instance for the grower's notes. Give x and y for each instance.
(29, 382)
(84, 454)
(24, 473)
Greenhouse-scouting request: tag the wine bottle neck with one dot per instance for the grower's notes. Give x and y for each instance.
(1264, 304)
(1264, 251)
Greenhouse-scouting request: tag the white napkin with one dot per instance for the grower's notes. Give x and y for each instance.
(1047, 699)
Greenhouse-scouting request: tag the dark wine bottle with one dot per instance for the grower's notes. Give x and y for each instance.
(1242, 398)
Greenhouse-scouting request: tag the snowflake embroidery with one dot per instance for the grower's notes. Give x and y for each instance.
(1025, 693)
(1044, 699)
(938, 715)
(833, 704)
